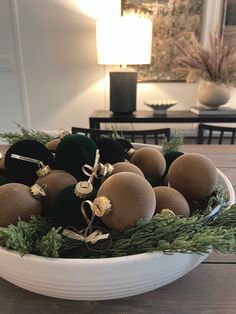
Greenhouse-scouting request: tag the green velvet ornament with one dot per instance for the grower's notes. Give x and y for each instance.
(155, 182)
(111, 151)
(73, 152)
(170, 157)
(97, 183)
(5, 180)
(22, 171)
(127, 146)
(3, 172)
(67, 209)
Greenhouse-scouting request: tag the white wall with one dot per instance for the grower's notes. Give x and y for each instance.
(59, 56)
(53, 43)
(10, 93)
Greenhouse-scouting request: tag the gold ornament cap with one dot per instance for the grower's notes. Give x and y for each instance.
(83, 189)
(63, 133)
(105, 170)
(101, 206)
(37, 191)
(43, 170)
(167, 212)
(130, 152)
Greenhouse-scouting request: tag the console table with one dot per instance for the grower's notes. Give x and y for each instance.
(147, 116)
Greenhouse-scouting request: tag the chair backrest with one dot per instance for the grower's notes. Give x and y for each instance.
(212, 134)
(139, 136)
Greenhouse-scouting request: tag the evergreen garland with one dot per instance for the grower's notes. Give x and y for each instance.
(22, 237)
(173, 144)
(162, 233)
(13, 137)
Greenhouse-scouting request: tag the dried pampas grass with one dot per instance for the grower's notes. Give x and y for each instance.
(217, 64)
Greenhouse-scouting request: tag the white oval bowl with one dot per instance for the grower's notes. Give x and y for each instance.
(99, 279)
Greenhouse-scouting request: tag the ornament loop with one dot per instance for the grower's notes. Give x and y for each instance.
(24, 158)
(89, 221)
(92, 238)
(93, 170)
(40, 165)
(86, 235)
(105, 170)
(85, 169)
(84, 188)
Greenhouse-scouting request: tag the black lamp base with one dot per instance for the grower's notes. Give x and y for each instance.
(123, 89)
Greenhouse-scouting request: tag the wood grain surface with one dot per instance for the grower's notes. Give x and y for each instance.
(208, 289)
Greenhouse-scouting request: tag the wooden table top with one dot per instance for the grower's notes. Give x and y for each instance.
(209, 289)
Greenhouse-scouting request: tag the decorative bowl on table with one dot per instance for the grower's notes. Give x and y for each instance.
(160, 106)
(103, 278)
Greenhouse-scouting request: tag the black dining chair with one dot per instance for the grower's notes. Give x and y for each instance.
(213, 134)
(154, 136)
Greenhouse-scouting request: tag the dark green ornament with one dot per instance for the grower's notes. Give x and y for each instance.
(127, 146)
(111, 151)
(73, 152)
(3, 172)
(170, 157)
(67, 209)
(21, 171)
(5, 180)
(154, 182)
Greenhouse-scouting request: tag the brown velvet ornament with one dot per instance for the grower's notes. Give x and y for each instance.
(2, 163)
(150, 161)
(126, 166)
(16, 200)
(169, 198)
(193, 175)
(131, 198)
(52, 145)
(55, 181)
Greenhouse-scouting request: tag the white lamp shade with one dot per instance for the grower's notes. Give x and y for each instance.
(124, 40)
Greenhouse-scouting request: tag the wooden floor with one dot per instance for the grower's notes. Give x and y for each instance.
(208, 289)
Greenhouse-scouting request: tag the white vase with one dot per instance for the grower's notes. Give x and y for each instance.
(213, 94)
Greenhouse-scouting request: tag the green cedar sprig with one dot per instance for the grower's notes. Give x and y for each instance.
(218, 197)
(49, 244)
(173, 144)
(163, 233)
(22, 236)
(13, 137)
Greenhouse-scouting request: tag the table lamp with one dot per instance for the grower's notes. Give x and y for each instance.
(125, 40)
